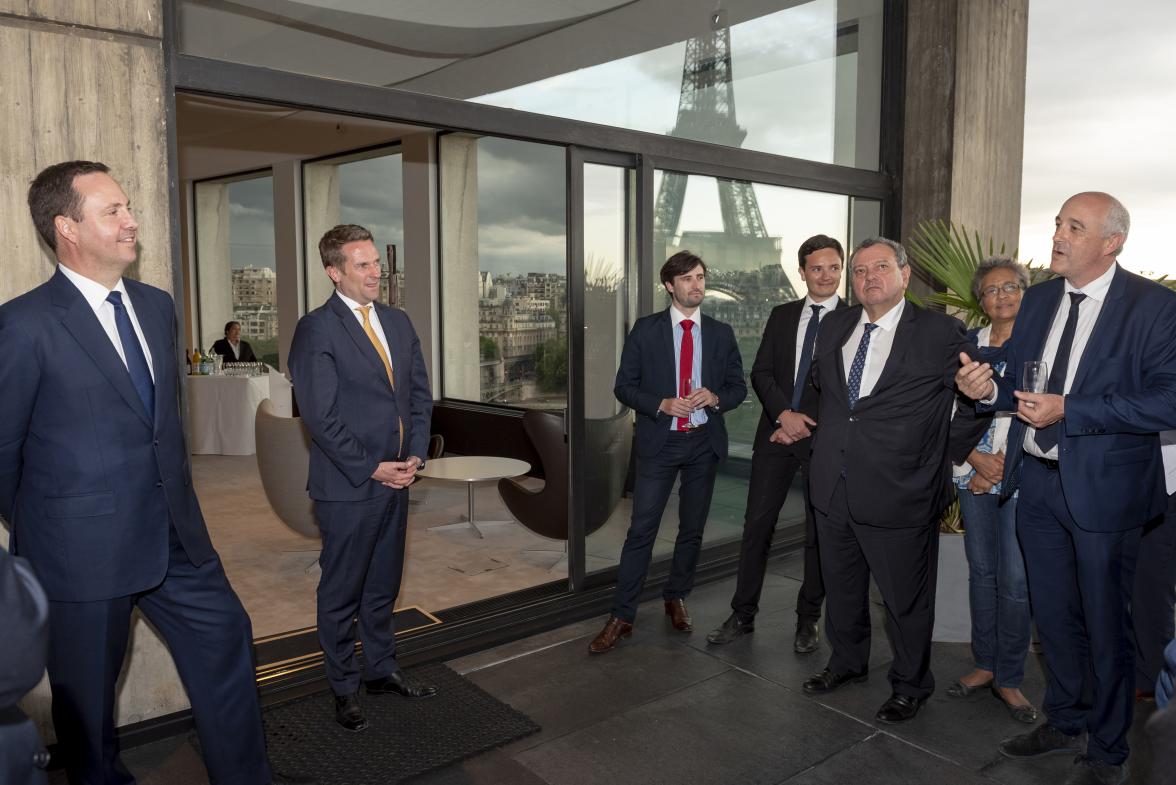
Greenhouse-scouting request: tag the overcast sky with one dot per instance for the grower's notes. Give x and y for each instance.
(1100, 112)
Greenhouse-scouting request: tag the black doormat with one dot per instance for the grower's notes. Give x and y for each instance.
(404, 738)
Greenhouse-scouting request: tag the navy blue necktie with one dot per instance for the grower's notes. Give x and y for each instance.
(133, 350)
(1047, 438)
(806, 356)
(859, 365)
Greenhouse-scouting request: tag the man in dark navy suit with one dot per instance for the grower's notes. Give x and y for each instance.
(781, 378)
(880, 476)
(1085, 454)
(363, 392)
(96, 485)
(680, 370)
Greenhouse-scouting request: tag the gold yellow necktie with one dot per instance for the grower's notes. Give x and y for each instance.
(371, 334)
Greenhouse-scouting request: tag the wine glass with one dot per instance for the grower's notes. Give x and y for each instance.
(1034, 376)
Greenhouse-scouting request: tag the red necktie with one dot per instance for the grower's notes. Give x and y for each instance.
(685, 368)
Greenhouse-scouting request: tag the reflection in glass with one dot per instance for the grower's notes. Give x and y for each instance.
(237, 278)
(806, 75)
(504, 271)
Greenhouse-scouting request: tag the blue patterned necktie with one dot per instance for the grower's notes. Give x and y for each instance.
(806, 356)
(136, 360)
(859, 364)
(1047, 438)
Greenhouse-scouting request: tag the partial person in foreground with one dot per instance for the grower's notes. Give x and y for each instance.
(880, 476)
(679, 372)
(96, 485)
(363, 393)
(24, 617)
(1154, 598)
(1085, 454)
(782, 380)
(998, 594)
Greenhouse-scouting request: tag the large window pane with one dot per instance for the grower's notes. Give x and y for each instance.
(504, 271)
(792, 78)
(748, 235)
(365, 189)
(236, 275)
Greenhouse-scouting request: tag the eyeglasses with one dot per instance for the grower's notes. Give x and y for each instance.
(1008, 287)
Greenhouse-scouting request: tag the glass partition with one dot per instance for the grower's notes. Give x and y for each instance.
(788, 77)
(503, 271)
(235, 271)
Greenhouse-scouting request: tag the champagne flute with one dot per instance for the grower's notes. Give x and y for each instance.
(1034, 376)
(687, 387)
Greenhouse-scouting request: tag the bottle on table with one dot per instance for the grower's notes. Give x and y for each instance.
(195, 367)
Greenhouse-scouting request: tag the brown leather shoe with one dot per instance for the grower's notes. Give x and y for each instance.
(679, 616)
(613, 631)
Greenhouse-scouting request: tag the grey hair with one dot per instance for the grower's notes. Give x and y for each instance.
(1118, 221)
(998, 263)
(900, 253)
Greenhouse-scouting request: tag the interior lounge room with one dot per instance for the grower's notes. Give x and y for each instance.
(525, 170)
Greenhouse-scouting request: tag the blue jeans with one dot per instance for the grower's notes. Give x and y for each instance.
(997, 589)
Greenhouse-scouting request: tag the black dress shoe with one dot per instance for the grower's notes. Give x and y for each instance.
(734, 627)
(348, 712)
(899, 708)
(827, 681)
(808, 635)
(397, 684)
(1045, 739)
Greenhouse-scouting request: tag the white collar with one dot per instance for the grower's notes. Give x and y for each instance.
(352, 305)
(677, 316)
(888, 320)
(1096, 289)
(829, 303)
(94, 293)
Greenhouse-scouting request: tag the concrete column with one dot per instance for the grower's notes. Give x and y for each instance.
(419, 162)
(320, 189)
(965, 115)
(459, 253)
(213, 271)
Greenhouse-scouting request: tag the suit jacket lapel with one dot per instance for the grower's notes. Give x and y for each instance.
(351, 326)
(397, 354)
(79, 319)
(839, 344)
(666, 330)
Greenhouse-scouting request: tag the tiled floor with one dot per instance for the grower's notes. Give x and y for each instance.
(667, 708)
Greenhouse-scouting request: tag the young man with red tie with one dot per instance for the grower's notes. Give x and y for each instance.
(680, 371)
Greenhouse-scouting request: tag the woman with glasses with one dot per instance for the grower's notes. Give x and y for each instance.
(998, 593)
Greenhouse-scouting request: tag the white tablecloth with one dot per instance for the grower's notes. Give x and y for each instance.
(221, 410)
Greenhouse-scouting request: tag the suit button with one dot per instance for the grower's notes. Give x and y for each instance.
(41, 759)
(156, 442)
(159, 485)
(853, 419)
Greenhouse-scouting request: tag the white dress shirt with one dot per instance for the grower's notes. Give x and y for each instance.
(373, 319)
(881, 342)
(95, 295)
(1088, 310)
(676, 317)
(806, 314)
(236, 347)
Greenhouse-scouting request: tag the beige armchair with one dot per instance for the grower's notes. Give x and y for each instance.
(283, 460)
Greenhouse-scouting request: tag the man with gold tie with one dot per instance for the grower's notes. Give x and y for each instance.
(363, 393)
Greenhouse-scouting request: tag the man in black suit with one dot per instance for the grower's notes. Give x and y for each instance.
(24, 617)
(671, 362)
(232, 348)
(881, 470)
(783, 383)
(363, 393)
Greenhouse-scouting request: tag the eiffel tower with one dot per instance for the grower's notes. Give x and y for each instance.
(706, 112)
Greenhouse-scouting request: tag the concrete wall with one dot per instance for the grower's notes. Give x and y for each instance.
(965, 115)
(84, 79)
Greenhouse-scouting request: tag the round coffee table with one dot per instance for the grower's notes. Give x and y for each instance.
(473, 469)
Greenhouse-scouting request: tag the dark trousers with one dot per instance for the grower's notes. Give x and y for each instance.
(362, 562)
(903, 562)
(1080, 585)
(771, 479)
(211, 641)
(689, 454)
(1154, 598)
